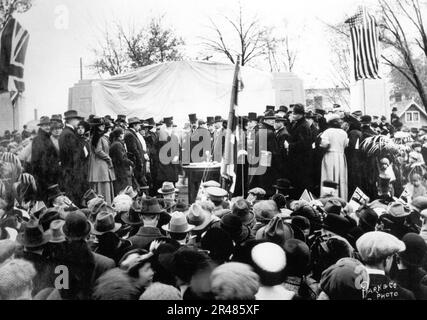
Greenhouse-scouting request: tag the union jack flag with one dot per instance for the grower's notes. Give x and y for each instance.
(13, 47)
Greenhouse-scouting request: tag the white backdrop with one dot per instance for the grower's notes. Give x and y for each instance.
(180, 88)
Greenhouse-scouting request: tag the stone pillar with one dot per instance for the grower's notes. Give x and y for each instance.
(289, 89)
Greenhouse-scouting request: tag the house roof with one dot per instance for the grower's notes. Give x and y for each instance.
(403, 106)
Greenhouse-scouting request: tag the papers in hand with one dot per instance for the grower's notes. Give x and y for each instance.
(358, 199)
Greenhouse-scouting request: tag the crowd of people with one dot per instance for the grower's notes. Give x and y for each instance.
(90, 209)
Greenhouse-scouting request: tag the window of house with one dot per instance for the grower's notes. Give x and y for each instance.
(412, 116)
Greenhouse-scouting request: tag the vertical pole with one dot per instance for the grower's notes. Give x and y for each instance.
(81, 68)
(364, 96)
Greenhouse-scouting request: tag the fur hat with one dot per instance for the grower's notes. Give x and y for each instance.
(234, 281)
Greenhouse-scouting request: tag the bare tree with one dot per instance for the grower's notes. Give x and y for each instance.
(282, 51)
(121, 50)
(398, 18)
(247, 41)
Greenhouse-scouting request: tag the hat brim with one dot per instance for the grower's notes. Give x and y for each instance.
(117, 226)
(204, 224)
(169, 192)
(189, 228)
(58, 240)
(125, 219)
(283, 188)
(44, 240)
(88, 231)
(74, 117)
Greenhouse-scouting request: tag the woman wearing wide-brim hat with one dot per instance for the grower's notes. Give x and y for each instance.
(101, 169)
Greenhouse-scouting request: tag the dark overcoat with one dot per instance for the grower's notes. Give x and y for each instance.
(300, 154)
(45, 164)
(74, 157)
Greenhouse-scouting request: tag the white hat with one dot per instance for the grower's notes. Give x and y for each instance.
(376, 246)
(269, 257)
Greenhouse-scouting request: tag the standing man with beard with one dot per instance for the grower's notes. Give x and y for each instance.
(168, 149)
(299, 150)
(268, 167)
(44, 160)
(72, 155)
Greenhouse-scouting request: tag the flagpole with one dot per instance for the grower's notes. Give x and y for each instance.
(234, 93)
(364, 96)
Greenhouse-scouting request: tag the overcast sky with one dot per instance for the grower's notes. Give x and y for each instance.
(52, 63)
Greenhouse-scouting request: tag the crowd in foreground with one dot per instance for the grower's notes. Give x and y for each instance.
(68, 233)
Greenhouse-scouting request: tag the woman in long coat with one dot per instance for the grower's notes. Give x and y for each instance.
(334, 165)
(44, 160)
(121, 162)
(101, 169)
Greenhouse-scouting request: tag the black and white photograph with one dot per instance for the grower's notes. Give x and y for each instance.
(213, 155)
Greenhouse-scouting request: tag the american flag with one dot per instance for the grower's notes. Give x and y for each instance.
(364, 39)
(13, 47)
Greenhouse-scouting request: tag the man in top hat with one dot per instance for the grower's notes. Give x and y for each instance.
(150, 211)
(210, 122)
(218, 139)
(44, 159)
(72, 156)
(282, 135)
(264, 173)
(269, 109)
(200, 143)
(137, 151)
(168, 147)
(282, 112)
(300, 150)
(251, 129)
(151, 138)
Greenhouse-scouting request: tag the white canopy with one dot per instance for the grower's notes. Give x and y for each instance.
(180, 88)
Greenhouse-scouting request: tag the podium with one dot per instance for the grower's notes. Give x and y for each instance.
(196, 172)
